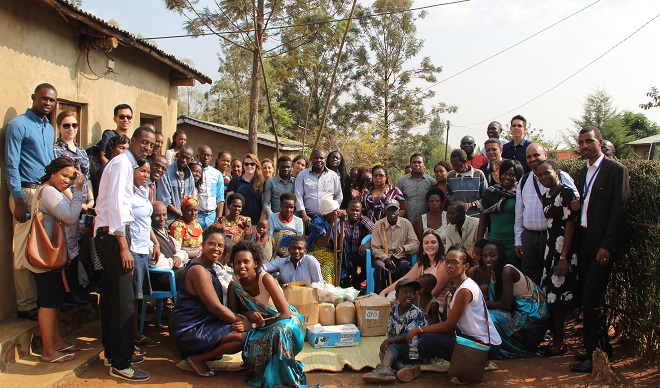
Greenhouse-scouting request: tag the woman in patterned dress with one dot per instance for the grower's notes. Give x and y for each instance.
(374, 199)
(559, 280)
(188, 231)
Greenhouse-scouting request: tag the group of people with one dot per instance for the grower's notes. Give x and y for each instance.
(522, 237)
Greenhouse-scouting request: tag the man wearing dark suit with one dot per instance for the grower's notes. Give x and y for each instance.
(604, 190)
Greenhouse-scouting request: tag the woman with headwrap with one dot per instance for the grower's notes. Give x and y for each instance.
(188, 231)
(320, 242)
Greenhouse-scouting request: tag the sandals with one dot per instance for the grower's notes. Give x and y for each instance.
(552, 351)
(210, 373)
(146, 341)
(70, 348)
(61, 359)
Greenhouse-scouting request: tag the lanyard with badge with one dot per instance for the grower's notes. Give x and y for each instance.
(587, 186)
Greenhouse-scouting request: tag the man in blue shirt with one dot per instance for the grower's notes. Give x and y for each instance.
(517, 148)
(298, 267)
(211, 191)
(176, 184)
(28, 150)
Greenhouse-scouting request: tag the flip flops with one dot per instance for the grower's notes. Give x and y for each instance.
(70, 348)
(210, 373)
(146, 341)
(65, 358)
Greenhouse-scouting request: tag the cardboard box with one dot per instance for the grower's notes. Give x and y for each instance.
(333, 336)
(373, 312)
(305, 299)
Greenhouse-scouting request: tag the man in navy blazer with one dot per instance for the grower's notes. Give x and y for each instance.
(604, 191)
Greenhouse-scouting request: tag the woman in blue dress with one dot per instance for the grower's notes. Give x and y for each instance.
(277, 334)
(516, 305)
(202, 328)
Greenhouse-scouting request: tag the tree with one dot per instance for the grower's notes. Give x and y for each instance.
(655, 99)
(598, 108)
(388, 42)
(249, 23)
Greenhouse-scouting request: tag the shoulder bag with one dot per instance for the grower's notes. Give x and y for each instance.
(44, 252)
(469, 358)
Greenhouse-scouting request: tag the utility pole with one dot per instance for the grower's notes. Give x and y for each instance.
(447, 141)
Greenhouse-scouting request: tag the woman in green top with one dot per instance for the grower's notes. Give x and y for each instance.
(498, 210)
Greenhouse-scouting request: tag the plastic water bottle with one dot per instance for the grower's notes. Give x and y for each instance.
(413, 351)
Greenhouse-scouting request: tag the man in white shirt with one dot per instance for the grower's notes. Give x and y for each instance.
(530, 228)
(315, 184)
(461, 229)
(212, 191)
(113, 214)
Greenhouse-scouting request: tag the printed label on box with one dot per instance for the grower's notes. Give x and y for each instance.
(371, 314)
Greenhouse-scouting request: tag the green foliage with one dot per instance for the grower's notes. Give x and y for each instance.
(655, 99)
(633, 295)
(617, 127)
(387, 43)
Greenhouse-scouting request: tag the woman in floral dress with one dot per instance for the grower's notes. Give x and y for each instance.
(559, 280)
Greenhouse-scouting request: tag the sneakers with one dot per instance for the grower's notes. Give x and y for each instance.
(134, 360)
(130, 374)
(382, 374)
(409, 373)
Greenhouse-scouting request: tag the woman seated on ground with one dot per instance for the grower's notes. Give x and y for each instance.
(467, 312)
(498, 210)
(61, 173)
(436, 218)
(374, 199)
(188, 231)
(202, 328)
(277, 334)
(516, 305)
(430, 258)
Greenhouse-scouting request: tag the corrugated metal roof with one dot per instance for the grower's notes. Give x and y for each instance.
(646, 140)
(262, 138)
(126, 37)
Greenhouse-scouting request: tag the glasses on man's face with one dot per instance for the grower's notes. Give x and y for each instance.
(452, 263)
(125, 117)
(517, 126)
(248, 164)
(70, 125)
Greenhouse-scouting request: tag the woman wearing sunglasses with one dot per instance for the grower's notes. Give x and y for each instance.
(67, 126)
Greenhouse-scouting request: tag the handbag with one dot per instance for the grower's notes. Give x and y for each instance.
(44, 252)
(469, 358)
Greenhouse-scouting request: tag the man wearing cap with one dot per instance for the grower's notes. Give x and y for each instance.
(393, 239)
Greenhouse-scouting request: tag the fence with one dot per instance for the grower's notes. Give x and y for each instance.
(633, 296)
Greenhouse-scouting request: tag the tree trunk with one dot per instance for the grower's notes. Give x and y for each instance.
(256, 79)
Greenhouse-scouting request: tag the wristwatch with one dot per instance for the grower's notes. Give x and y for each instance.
(254, 325)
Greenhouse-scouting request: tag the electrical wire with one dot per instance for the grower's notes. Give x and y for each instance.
(570, 76)
(310, 23)
(510, 47)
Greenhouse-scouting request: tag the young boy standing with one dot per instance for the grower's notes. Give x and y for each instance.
(404, 316)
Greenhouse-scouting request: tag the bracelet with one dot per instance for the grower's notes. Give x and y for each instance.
(421, 330)
(562, 257)
(156, 245)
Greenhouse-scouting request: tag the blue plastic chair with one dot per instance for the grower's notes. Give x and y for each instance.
(158, 296)
(370, 268)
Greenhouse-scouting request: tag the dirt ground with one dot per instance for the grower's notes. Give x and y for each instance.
(161, 362)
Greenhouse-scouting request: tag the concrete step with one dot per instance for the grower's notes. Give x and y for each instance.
(28, 371)
(20, 337)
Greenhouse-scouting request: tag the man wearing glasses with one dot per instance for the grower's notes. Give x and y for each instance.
(517, 148)
(123, 118)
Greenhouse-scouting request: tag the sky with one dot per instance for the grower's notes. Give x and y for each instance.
(459, 36)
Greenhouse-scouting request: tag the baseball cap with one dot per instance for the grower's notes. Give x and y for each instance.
(406, 282)
(392, 202)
